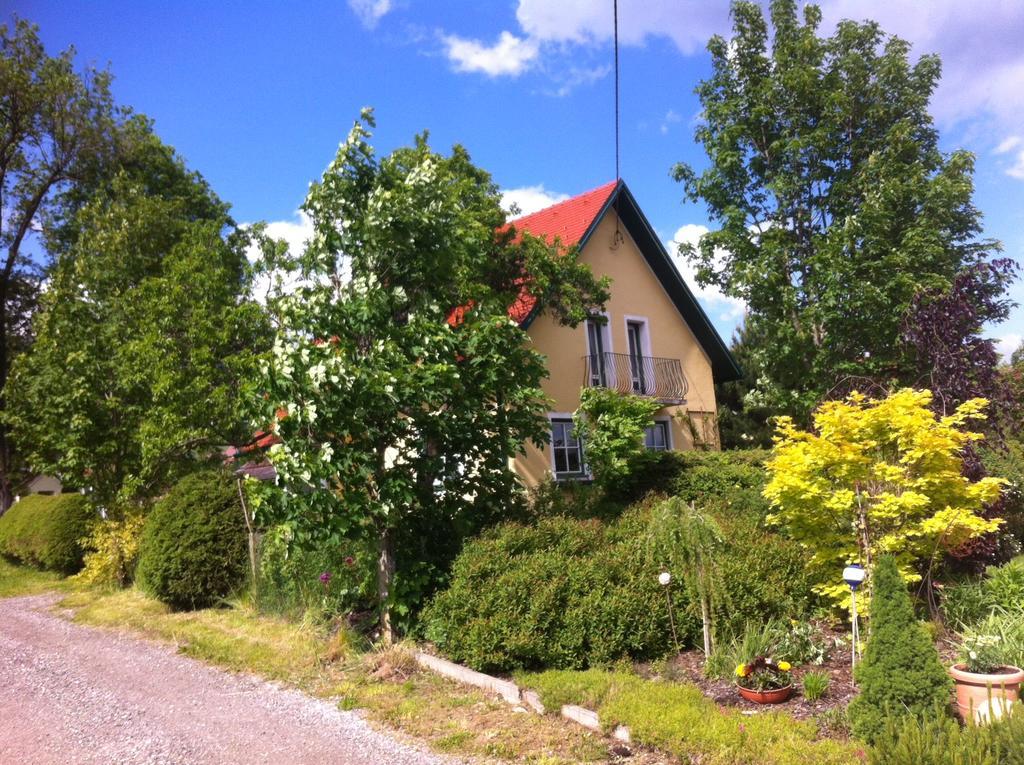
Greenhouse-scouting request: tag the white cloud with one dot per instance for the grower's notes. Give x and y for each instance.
(671, 117)
(370, 11)
(1007, 344)
(1008, 144)
(980, 47)
(509, 56)
(295, 233)
(688, 23)
(529, 199)
(721, 306)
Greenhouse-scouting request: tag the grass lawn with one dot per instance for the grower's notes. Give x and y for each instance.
(388, 685)
(678, 718)
(20, 580)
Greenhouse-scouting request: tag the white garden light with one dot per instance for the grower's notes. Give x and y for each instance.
(853, 575)
(664, 579)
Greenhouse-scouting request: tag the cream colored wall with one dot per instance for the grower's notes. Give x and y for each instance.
(635, 292)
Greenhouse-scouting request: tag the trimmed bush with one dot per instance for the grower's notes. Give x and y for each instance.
(193, 550)
(570, 593)
(901, 673)
(46, 531)
(564, 593)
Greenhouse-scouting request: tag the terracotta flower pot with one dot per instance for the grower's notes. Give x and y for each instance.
(975, 690)
(774, 696)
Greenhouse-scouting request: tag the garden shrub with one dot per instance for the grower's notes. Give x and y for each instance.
(46, 531)
(560, 594)
(938, 740)
(193, 551)
(577, 593)
(113, 551)
(901, 673)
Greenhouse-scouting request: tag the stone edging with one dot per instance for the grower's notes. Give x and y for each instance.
(512, 694)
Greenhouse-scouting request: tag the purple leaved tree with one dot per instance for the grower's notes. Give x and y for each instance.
(957, 363)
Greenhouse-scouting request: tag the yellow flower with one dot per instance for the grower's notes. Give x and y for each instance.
(741, 670)
(785, 666)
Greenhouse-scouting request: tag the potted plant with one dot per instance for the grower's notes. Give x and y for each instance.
(764, 681)
(983, 680)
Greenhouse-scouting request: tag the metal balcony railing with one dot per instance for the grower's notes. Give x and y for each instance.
(662, 379)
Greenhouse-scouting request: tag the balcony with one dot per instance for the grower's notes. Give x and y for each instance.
(662, 379)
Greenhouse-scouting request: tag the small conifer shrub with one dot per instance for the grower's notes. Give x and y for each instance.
(901, 673)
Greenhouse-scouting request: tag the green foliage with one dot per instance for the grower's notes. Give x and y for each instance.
(397, 384)
(113, 551)
(571, 499)
(290, 580)
(145, 335)
(937, 740)
(757, 638)
(60, 129)
(578, 593)
(1001, 588)
(815, 684)
(611, 425)
(801, 645)
(834, 202)
(46, 531)
(901, 673)
(193, 550)
(678, 718)
(564, 593)
(997, 640)
(687, 543)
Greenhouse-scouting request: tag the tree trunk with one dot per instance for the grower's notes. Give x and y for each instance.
(385, 574)
(705, 617)
(6, 466)
(252, 535)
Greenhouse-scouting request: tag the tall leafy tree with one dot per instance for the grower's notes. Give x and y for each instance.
(834, 204)
(57, 128)
(145, 335)
(398, 384)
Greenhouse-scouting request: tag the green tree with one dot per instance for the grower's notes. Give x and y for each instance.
(611, 426)
(901, 674)
(144, 338)
(57, 129)
(834, 203)
(398, 384)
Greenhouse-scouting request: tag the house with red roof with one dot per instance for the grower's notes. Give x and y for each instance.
(654, 339)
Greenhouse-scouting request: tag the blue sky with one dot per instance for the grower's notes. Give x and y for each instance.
(257, 95)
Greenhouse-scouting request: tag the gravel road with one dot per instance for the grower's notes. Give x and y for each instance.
(76, 695)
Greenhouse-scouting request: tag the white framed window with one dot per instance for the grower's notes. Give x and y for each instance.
(638, 349)
(658, 437)
(566, 449)
(599, 345)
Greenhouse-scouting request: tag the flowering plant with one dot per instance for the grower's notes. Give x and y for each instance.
(981, 653)
(763, 674)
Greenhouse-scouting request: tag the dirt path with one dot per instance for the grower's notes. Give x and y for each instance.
(74, 694)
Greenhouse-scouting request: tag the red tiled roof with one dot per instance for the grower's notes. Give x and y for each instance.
(569, 220)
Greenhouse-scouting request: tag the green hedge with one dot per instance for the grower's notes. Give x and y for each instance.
(193, 549)
(46, 531)
(570, 593)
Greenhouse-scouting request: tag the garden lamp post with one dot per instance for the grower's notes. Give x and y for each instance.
(853, 575)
